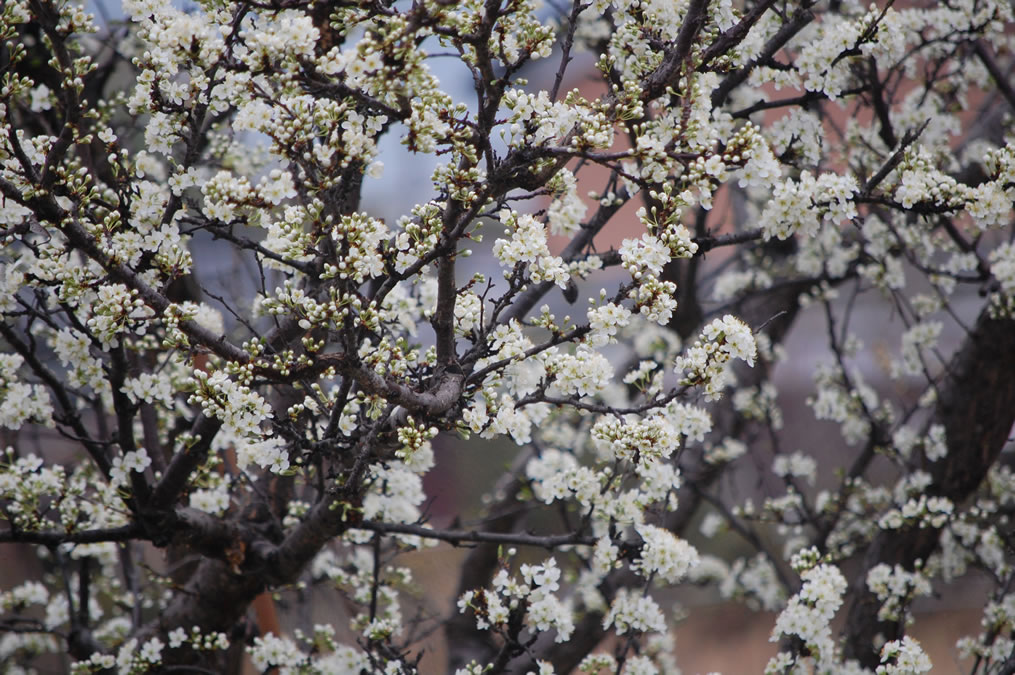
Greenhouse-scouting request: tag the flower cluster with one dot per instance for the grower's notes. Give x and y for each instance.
(636, 440)
(635, 613)
(117, 310)
(583, 373)
(646, 255)
(133, 461)
(808, 613)
(664, 555)
(1002, 267)
(535, 120)
(21, 402)
(358, 238)
(796, 205)
(567, 209)
(922, 511)
(605, 321)
(903, 657)
(896, 588)
(242, 411)
(654, 299)
(289, 431)
(528, 245)
(706, 362)
(533, 595)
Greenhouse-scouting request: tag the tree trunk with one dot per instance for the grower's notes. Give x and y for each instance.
(977, 409)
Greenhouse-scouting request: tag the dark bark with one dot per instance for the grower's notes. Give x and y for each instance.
(465, 642)
(977, 409)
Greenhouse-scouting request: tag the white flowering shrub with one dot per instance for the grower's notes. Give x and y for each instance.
(686, 204)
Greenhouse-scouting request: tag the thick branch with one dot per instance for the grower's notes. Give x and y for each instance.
(459, 537)
(736, 34)
(669, 70)
(800, 19)
(1000, 79)
(581, 241)
(52, 538)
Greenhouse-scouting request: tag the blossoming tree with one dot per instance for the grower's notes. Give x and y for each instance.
(172, 454)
